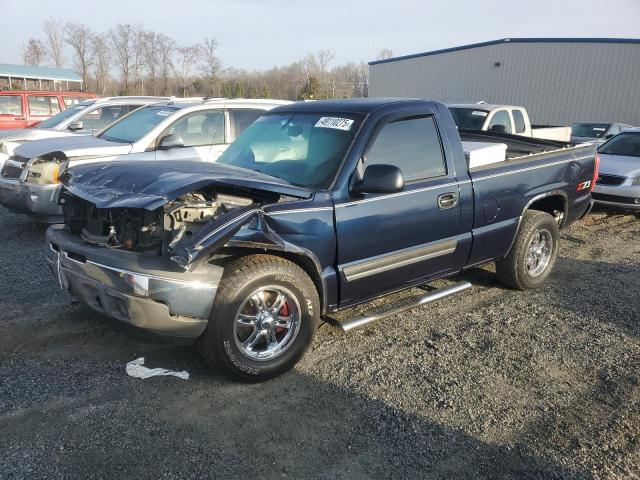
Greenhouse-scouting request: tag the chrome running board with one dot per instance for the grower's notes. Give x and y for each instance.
(400, 306)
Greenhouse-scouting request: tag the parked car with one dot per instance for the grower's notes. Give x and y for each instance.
(618, 184)
(26, 108)
(86, 117)
(316, 207)
(504, 119)
(597, 132)
(174, 130)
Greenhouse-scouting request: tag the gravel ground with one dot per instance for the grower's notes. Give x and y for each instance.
(490, 384)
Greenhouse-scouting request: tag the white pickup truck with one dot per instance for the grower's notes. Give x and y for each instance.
(504, 119)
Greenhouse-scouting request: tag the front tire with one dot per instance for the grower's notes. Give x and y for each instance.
(263, 319)
(533, 254)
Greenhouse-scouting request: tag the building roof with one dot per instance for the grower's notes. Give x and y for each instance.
(43, 73)
(510, 40)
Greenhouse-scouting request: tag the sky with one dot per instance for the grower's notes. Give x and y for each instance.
(259, 34)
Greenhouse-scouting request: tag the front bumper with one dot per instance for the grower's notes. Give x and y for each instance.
(38, 201)
(149, 292)
(620, 196)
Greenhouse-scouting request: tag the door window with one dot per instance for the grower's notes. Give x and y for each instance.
(411, 144)
(500, 122)
(518, 119)
(70, 101)
(200, 128)
(241, 119)
(104, 116)
(43, 105)
(10, 105)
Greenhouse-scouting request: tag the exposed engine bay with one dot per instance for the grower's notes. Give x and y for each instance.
(162, 231)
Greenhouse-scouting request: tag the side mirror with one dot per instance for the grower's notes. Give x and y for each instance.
(380, 179)
(498, 128)
(171, 141)
(73, 126)
(609, 135)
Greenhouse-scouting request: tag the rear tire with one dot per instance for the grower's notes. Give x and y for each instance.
(533, 254)
(264, 316)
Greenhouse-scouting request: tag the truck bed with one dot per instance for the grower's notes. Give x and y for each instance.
(517, 146)
(500, 188)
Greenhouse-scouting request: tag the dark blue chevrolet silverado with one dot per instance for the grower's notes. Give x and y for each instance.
(316, 207)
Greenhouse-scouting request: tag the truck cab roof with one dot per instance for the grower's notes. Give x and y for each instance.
(353, 105)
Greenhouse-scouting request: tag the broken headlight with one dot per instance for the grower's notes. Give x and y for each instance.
(43, 172)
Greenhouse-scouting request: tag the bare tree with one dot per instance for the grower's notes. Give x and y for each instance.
(384, 53)
(166, 50)
(324, 57)
(34, 52)
(188, 57)
(137, 51)
(80, 38)
(211, 64)
(150, 44)
(101, 54)
(54, 32)
(121, 39)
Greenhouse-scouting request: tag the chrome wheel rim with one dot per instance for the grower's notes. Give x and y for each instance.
(539, 252)
(267, 323)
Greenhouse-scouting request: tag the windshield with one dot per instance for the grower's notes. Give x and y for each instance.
(627, 144)
(304, 149)
(468, 118)
(54, 121)
(589, 130)
(137, 124)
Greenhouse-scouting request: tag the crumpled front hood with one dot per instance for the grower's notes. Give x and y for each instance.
(620, 165)
(151, 184)
(72, 146)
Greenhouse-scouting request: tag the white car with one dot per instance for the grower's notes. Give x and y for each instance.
(175, 130)
(85, 118)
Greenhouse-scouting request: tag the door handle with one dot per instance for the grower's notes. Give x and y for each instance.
(447, 200)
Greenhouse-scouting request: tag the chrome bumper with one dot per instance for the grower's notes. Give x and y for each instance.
(37, 201)
(148, 292)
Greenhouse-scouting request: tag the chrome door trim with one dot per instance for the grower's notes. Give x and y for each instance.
(399, 258)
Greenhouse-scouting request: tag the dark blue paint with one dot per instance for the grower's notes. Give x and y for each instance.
(335, 229)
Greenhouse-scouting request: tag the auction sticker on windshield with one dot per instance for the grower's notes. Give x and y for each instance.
(335, 122)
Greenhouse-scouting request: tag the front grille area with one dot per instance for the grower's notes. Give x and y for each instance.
(615, 198)
(13, 167)
(604, 179)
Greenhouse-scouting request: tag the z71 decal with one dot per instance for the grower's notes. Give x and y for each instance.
(583, 185)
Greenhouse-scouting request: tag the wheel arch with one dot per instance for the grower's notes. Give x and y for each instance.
(548, 202)
(303, 260)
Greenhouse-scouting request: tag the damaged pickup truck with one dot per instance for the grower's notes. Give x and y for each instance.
(316, 207)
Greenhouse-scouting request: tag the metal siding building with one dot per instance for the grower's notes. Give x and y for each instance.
(559, 81)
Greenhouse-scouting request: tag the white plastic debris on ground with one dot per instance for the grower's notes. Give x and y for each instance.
(137, 369)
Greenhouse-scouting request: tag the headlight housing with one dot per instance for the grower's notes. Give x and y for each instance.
(43, 172)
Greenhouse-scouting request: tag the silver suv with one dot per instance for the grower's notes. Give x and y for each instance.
(192, 129)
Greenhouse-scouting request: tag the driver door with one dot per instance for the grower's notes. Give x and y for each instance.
(389, 241)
